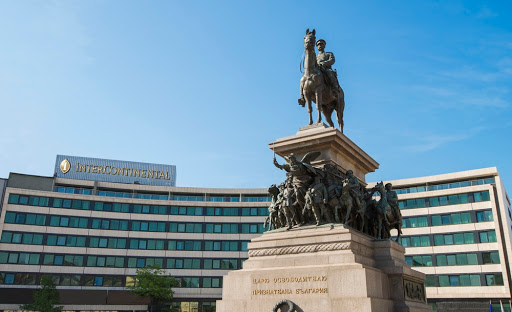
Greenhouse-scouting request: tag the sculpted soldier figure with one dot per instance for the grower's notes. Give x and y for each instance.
(273, 210)
(354, 188)
(302, 173)
(325, 60)
(288, 203)
(316, 198)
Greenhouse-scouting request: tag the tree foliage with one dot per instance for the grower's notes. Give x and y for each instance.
(153, 283)
(45, 298)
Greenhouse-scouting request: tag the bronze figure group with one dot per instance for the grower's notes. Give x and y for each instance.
(311, 195)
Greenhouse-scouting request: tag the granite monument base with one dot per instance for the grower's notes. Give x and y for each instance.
(328, 268)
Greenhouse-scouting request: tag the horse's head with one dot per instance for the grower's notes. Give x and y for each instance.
(379, 187)
(309, 39)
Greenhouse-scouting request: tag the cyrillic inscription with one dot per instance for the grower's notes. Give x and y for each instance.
(279, 282)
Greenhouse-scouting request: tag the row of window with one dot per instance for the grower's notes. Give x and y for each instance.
(125, 225)
(447, 219)
(84, 191)
(116, 261)
(10, 278)
(493, 279)
(436, 201)
(134, 208)
(448, 239)
(445, 186)
(120, 243)
(492, 257)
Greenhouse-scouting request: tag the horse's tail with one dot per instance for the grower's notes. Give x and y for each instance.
(340, 107)
(301, 65)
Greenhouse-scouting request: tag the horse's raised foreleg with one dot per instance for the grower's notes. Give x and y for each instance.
(302, 100)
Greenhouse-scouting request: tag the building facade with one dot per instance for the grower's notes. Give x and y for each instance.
(457, 230)
(91, 236)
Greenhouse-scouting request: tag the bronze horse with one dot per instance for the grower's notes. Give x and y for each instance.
(315, 89)
(386, 217)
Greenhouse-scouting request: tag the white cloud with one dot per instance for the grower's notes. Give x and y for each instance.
(432, 142)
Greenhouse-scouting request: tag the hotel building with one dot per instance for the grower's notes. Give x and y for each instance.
(91, 227)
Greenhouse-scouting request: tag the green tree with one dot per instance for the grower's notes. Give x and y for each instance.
(153, 283)
(45, 298)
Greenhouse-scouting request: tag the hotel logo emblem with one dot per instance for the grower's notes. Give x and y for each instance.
(65, 166)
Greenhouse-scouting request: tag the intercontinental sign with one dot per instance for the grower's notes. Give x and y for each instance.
(118, 171)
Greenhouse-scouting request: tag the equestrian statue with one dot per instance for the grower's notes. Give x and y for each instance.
(319, 83)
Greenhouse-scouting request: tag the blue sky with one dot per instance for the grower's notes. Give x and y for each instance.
(206, 85)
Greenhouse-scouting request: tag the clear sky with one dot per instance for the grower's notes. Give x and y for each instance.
(206, 85)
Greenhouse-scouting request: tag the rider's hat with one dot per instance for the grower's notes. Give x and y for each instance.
(320, 40)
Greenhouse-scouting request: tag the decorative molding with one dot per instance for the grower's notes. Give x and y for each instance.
(298, 249)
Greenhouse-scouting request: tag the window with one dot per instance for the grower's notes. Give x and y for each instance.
(457, 259)
(221, 246)
(484, 216)
(185, 245)
(22, 238)
(488, 237)
(416, 261)
(430, 281)
(451, 239)
(224, 198)
(220, 264)
(103, 242)
(415, 222)
(436, 220)
(415, 241)
(212, 282)
(459, 280)
(259, 199)
(243, 246)
(494, 279)
(481, 196)
(188, 282)
(254, 211)
(252, 228)
(492, 257)
(186, 227)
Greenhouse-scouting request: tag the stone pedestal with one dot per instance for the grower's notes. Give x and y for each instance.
(335, 148)
(328, 268)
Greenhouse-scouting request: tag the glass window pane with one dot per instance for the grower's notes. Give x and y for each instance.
(472, 259)
(441, 260)
(454, 280)
(451, 259)
(458, 238)
(469, 238)
(443, 280)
